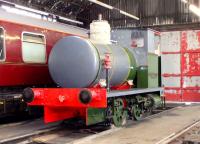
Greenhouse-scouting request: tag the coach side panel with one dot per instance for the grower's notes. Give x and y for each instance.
(19, 64)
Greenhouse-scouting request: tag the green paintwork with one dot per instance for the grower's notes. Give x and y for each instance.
(142, 77)
(95, 116)
(157, 102)
(147, 76)
(133, 64)
(137, 112)
(137, 106)
(152, 70)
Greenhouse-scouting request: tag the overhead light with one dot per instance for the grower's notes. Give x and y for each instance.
(102, 4)
(20, 12)
(185, 1)
(194, 9)
(129, 15)
(111, 8)
(70, 20)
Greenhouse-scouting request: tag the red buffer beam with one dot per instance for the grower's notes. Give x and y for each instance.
(64, 103)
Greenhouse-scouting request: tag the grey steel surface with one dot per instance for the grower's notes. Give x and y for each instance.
(73, 62)
(147, 42)
(125, 37)
(120, 64)
(133, 91)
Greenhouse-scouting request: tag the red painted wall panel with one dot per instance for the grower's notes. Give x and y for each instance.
(191, 95)
(187, 45)
(191, 63)
(172, 94)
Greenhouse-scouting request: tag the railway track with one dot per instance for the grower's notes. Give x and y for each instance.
(188, 135)
(61, 131)
(35, 132)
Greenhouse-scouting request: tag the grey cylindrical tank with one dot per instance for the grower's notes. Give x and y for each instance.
(76, 62)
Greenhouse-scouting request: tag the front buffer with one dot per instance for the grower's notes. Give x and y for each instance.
(64, 103)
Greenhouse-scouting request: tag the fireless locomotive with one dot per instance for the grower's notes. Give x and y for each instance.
(25, 44)
(97, 81)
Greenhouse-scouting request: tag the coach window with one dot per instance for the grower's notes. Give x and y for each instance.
(2, 54)
(33, 48)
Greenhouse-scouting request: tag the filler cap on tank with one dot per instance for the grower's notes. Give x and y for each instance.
(100, 31)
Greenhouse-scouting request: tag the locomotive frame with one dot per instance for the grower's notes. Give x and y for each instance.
(98, 106)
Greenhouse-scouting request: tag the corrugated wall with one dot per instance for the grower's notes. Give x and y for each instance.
(151, 12)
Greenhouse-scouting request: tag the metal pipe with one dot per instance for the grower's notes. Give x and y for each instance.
(107, 80)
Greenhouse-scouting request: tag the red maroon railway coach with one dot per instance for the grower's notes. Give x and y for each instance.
(25, 44)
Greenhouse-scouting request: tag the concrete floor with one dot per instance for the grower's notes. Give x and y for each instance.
(152, 130)
(10, 131)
